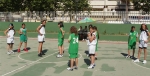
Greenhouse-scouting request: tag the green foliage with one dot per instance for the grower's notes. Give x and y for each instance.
(43, 5)
(143, 5)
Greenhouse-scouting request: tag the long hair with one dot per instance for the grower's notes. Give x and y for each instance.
(97, 31)
(146, 28)
(90, 26)
(132, 28)
(73, 29)
(61, 24)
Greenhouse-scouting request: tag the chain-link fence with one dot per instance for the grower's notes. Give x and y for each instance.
(120, 17)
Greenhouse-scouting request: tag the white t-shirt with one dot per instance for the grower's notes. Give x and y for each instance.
(94, 41)
(42, 30)
(11, 33)
(143, 36)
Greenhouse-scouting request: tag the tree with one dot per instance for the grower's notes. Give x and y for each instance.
(72, 7)
(143, 5)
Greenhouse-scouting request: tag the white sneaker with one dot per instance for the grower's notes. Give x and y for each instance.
(91, 67)
(137, 60)
(70, 69)
(144, 61)
(12, 52)
(8, 53)
(58, 56)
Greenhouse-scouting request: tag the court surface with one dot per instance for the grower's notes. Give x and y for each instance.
(111, 60)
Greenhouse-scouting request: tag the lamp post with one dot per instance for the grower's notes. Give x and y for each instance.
(76, 9)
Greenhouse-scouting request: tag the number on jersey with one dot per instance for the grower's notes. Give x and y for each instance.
(75, 40)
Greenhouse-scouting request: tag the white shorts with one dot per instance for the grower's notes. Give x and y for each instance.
(10, 40)
(92, 49)
(41, 38)
(142, 44)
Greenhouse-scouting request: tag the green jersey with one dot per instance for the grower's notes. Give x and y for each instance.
(60, 34)
(73, 47)
(132, 37)
(23, 36)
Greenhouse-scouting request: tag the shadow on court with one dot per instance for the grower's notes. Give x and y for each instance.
(124, 54)
(87, 61)
(44, 51)
(28, 48)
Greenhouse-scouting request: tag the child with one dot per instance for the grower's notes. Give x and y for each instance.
(132, 41)
(23, 37)
(143, 40)
(92, 47)
(88, 34)
(41, 36)
(61, 34)
(73, 48)
(10, 32)
(97, 36)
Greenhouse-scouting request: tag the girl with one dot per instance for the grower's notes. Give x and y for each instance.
(41, 37)
(61, 34)
(10, 32)
(132, 41)
(23, 38)
(73, 48)
(88, 34)
(92, 47)
(143, 40)
(97, 36)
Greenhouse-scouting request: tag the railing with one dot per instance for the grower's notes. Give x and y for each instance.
(133, 17)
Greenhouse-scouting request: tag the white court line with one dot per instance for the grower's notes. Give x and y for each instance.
(60, 61)
(28, 64)
(140, 66)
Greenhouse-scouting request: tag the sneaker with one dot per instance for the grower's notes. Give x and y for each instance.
(25, 49)
(58, 55)
(8, 53)
(144, 61)
(12, 52)
(128, 56)
(18, 51)
(94, 64)
(70, 69)
(75, 67)
(40, 55)
(137, 60)
(91, 67)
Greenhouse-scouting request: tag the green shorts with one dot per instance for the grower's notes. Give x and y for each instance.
(73, 55)
(23, 38)
(60, 41)
(132, 46)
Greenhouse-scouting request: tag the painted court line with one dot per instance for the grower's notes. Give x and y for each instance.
(28, 64)
(61, 61)
(140, 65)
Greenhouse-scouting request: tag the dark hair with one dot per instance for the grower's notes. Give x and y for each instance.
(11, 24)
(97, 31)
(85, 26)
(73, 29)
(146, 28)
(61, 24)
(43, 21)
(23, 24)
(90, 26)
